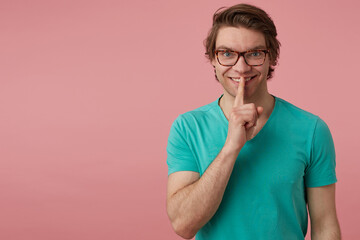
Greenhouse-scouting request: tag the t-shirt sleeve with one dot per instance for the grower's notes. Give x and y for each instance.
(179, 155)
(321, 168)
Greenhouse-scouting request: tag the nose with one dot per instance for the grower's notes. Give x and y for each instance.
(241, 65)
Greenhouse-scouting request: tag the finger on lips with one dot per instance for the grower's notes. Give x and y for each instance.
(239, 99)
(252, 112)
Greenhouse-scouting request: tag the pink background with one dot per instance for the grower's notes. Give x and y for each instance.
(89, 90)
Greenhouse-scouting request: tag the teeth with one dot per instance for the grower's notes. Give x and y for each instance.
(238, 79)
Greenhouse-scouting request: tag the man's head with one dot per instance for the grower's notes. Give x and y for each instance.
(248, 16)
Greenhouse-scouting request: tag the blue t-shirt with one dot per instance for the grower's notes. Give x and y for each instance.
(266, 194)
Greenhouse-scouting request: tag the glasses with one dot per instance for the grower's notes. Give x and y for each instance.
(230, 58)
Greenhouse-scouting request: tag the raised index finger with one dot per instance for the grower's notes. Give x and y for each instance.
(239, 99)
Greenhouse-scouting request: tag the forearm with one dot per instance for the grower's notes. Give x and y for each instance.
(192, 207)
(330, 231)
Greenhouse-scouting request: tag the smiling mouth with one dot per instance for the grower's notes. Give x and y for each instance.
(246, 79)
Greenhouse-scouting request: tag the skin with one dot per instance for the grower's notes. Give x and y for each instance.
(322, 210)
(191, 200)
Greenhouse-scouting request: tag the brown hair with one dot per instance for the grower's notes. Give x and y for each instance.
(248, 16)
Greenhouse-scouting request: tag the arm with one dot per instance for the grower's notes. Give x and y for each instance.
(192, 201)
(322, 210)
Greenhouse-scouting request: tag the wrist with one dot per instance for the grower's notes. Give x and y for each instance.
(231, 149)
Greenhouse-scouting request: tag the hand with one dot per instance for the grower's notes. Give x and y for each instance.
(242, 120)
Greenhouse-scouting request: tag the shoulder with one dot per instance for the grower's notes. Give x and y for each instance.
(198, 115)
(299, 121)
(296, 116)
(295, 112)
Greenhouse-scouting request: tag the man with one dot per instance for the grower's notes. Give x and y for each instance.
(247, 165)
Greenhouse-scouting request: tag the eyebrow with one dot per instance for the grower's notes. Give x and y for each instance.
(222, 47)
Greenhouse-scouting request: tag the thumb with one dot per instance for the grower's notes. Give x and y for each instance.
(259, 110)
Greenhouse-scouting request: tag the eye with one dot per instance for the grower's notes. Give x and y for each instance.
(228, 54)
(255, 54)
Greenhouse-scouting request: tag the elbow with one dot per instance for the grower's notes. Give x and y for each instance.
(180, 224)
(182, 230)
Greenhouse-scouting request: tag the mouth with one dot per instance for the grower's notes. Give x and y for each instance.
(247, 80)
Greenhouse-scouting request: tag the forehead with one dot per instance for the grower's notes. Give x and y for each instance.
(240, 38)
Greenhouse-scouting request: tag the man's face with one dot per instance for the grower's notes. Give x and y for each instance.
(242, 39)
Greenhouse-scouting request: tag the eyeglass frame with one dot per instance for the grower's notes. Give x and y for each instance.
(241, 54)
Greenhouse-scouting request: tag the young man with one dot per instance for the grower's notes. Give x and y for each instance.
(247, 165)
